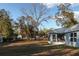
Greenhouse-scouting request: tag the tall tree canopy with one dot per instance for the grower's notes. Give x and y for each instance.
(34, 16)
(5, 24)
(20, 26)
(65, 16)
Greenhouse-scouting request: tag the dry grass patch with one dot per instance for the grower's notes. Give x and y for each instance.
(36, 48)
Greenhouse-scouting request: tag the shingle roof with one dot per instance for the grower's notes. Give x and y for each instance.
(73, 28)
(59, 30)
(65, 30)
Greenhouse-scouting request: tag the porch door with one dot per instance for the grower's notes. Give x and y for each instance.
(73, 38)
(55, 38)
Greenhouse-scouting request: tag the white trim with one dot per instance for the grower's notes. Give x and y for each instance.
(58, 43)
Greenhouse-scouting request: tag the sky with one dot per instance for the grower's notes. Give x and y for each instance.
(15, 11)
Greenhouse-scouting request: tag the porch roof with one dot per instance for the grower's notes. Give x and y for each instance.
(66, 30)
(59, 30)
(73, 28)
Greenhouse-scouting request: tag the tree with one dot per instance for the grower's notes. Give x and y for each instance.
(65, 16)
(45, 31)
(35, 16)
(20, 26)
(5, 24)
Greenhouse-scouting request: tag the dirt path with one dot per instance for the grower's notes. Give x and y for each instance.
(20, 43)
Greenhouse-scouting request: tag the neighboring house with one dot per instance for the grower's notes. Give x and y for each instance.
(68, 36)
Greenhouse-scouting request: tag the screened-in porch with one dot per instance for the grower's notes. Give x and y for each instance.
(56, 38)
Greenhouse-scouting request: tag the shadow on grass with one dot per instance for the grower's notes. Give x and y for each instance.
(29, 50)
(26, 50)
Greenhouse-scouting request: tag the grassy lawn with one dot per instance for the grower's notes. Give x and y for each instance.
(36, 48)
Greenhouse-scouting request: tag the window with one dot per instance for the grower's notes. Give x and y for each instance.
(73, 37)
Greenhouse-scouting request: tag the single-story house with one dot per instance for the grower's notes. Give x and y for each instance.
(68, 36)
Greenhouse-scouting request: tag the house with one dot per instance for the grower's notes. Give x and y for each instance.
(68, 36)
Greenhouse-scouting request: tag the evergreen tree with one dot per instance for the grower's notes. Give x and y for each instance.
(5, 24)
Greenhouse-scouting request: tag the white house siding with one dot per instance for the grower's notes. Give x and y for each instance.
(67, 39)
(69, 43)
(77, 44)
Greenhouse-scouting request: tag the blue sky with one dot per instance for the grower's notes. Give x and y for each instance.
(15, 11)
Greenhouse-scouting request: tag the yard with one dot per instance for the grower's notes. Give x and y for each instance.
(36, 48)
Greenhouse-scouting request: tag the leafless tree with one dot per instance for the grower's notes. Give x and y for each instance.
(35, 15)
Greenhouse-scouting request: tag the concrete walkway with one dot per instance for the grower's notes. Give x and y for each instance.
(58, 43)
